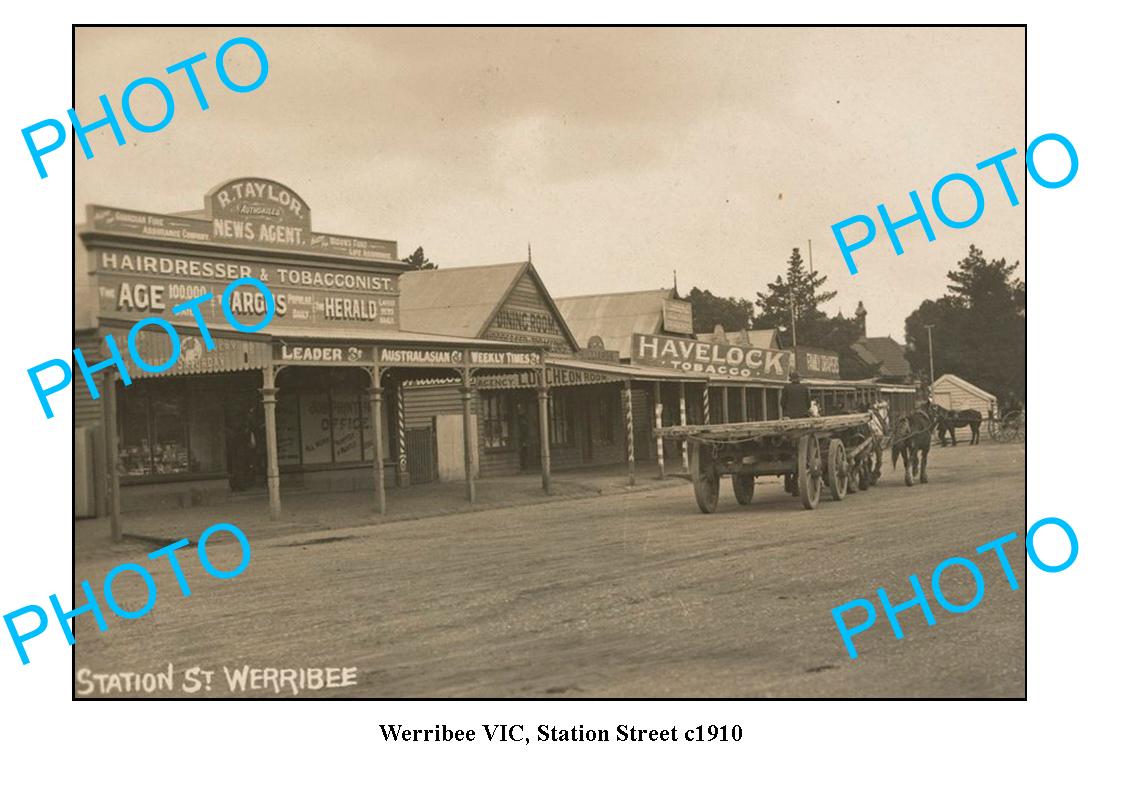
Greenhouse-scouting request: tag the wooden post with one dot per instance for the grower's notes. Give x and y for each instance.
(744, 404)
(544, 430)
(630, 431)
(112, 479)
(272, 468)
(682, 421)
(375, 394)
(402, 474)
(466, 399)
(764, 402)
(725, 405)
(659, 454)
(779, 402)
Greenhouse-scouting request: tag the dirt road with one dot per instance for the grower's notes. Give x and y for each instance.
(627, 596)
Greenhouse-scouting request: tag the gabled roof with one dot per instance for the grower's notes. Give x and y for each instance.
(615, 317)
(963, 384)
(463, 301)
(885, 353)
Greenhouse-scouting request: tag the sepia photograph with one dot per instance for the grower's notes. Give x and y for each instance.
(547, 363)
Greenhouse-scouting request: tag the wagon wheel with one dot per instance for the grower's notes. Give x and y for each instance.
(1008, 426)
(809, 470)
(704, 474)
(743, 487)
(838, 469)
(993, 429)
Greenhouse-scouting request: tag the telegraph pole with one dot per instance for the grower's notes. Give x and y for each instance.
(931, 360)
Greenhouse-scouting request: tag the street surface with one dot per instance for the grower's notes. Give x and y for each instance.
(634, 595)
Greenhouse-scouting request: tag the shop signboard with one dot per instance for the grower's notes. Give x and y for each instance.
(678, 316)
(305, 353)
(817, 363)
(710, 359)
(245, 212)
(228, 354)
(455, 358)
(132, 284)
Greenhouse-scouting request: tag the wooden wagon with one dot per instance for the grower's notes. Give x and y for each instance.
(839, 449)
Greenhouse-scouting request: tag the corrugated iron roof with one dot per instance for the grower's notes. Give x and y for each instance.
(615, 317)
(454, 301)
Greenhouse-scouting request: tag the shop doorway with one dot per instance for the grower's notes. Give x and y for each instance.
(526, 432)
(245, 441)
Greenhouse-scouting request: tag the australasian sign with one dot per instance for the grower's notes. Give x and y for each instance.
(711, 359)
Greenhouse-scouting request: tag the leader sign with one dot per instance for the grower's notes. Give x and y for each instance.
(717, 359)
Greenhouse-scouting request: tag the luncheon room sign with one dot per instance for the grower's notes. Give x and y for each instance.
(715, 359)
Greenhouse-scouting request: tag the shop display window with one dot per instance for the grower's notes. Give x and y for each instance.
(496, 413)
(561, 419)
(170, 429)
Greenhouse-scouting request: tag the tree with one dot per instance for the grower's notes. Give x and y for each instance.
(979, 327)
(419, 261)
(795, 294)
(710, 310)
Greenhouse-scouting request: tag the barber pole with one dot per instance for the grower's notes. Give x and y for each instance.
(706, 403)
(631, 433)
(403, 462)
(659, 441)
(682, 421)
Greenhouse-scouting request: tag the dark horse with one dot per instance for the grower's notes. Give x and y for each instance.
(950, 420)
(912, 438)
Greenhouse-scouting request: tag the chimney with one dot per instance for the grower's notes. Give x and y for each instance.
(860, 314)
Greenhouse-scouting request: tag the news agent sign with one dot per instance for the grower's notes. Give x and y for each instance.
(920, 214)
(46, 136)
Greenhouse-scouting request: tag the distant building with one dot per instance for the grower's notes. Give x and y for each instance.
(883, 354)
(954, 393)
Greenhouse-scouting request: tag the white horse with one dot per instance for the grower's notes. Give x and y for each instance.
(879, 430)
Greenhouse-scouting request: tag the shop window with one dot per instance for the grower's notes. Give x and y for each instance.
(495, 409)
(315, 428)
(170, 429)
(346, 427)
(561, 420)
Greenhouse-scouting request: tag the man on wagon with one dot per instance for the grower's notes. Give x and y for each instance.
(795, 401)
(795, 398)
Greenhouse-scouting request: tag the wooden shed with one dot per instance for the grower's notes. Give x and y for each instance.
(954, 393)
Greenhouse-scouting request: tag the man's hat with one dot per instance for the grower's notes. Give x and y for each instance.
(793, 376)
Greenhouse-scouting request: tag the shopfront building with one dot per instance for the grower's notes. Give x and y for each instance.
(309, 402)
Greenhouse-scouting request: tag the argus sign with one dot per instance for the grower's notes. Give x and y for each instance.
(42, 146)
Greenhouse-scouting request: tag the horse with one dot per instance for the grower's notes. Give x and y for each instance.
(879, 429)
(949, 420)
(912, 438)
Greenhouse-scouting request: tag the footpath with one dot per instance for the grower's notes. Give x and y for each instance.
(304, 512)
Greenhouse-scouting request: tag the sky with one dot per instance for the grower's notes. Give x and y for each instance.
(621, 155)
